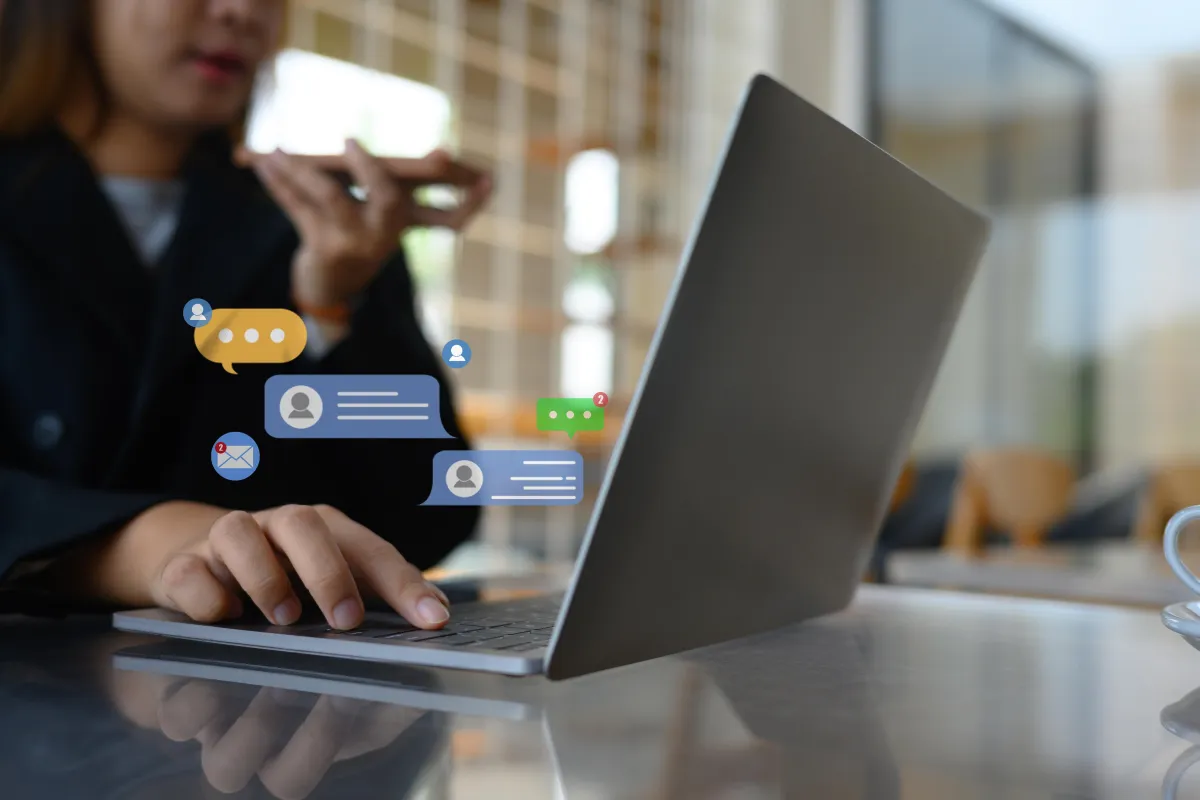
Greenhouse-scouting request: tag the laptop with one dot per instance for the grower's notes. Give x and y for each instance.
(795, 353)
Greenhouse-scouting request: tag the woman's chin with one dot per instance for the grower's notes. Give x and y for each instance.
(205, 117)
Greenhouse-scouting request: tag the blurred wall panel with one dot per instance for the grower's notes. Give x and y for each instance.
(1004, 121)
(1150, 322)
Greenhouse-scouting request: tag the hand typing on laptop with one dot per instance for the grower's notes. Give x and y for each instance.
(200, 560)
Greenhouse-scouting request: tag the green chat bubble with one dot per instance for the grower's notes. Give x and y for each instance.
(569, 414)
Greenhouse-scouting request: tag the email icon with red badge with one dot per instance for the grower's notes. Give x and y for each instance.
(235, 456)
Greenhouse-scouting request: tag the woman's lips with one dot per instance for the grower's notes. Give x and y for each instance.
(219, 67)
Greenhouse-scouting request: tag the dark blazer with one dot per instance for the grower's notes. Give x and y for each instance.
(106, 407)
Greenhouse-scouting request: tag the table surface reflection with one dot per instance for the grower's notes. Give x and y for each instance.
(1126, 573)
(909, 694)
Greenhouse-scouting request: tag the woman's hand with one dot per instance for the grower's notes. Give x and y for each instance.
(345, 242)
(200, 560)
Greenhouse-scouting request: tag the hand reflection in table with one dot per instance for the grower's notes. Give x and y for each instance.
(290, 741)
(791, 713)
(73, 727)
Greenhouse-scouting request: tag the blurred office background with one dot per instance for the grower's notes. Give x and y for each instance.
(1074, 123)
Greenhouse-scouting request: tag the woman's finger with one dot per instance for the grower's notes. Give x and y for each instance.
(303, 535)
(455, 218)
(187, 584)
(287, 194)
(385, 571)
(309, 754)
(385, 196)
(317, 189)
(239, 543)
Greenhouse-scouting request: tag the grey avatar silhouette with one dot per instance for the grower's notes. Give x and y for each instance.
(300, 410)
(464, 478)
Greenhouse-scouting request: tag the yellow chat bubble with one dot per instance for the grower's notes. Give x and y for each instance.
(251, 336)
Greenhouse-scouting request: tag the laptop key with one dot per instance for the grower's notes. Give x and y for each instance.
(419, 636)
(366, 633)
(457, 639)
(511, 641)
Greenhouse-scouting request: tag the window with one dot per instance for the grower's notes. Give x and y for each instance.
(1004, 121)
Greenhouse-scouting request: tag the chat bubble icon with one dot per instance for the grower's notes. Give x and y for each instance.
(569, 414)
(251, 336)
(506, 478)
(353, 407)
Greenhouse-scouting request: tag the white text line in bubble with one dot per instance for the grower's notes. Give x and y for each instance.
(383, 405)
(531, 497)
(571, 478)
(378, 418)
(552, 463)
(540, 478)
(368, 394)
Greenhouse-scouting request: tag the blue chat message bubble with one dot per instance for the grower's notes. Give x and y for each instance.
(353, 407)
(506, 478)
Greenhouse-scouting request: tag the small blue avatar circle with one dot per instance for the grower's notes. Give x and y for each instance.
(235, 456)
(197, 317)
(456, 359)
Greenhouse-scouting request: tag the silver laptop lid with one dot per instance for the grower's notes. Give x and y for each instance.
(795, 353)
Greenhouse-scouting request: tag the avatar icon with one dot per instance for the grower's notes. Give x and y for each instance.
(464, 474)
(456, 353)
(464, 478)
(300, 407)
(197, 312)
(300, 410)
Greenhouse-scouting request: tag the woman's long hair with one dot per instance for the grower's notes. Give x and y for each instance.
(45, 45)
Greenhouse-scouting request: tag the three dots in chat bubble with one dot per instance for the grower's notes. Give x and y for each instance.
(571, 414)
(229, 336)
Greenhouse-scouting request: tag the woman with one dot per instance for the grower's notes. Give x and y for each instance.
(119, 202)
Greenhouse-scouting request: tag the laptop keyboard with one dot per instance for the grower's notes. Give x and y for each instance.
(515, 626)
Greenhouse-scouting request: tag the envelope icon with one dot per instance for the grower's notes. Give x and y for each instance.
(236, 456)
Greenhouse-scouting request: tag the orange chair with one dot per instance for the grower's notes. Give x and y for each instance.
(1021, 491)
(1170, 488)
(904, 486)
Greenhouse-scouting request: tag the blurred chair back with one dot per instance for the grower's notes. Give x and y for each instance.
(1169, 488)
(1018, 491)
(904, 486)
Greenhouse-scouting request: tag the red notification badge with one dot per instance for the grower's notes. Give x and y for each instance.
(220, 448)
(600, 399)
